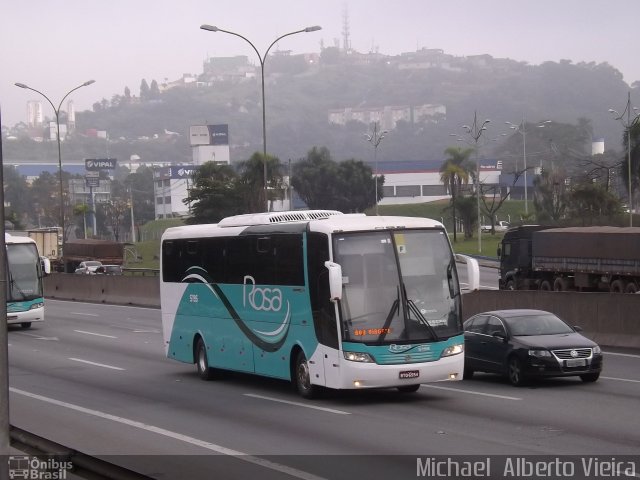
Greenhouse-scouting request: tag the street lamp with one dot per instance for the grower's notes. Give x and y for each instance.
(628, 124)
(521, 129)
(475, 132)
(57, 113)
(375, 138)
(262, 58)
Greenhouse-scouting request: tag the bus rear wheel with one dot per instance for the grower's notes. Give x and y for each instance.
(202, 361)
(302, 378)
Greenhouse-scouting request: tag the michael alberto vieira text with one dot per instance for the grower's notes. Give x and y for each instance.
(522, 467)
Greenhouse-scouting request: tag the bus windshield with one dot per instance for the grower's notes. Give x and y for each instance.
(398, 286)
(23, 275)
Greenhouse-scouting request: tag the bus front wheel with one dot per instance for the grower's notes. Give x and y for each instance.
(302, 377)
(202, 362)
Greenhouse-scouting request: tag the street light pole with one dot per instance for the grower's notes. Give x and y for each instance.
(628, 125)
(57, 113)
(475, 132)
(375, 138)
(262, 59)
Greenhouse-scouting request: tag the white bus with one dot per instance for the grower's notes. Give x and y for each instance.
(25, 270)
(320, 298)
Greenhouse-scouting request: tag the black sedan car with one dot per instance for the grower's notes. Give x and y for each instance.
(522, 344)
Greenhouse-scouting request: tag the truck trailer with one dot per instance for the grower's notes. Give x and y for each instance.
(535, 257)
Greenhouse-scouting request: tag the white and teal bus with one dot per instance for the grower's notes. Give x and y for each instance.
(320, 298)
(25, 270)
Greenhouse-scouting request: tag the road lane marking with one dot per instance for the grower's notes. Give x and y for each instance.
(621, 379)
(38, 337)
(294, 472)
(95, 364)
(297, 404)
(96, 334)
(622, 354)
(85, 314)
(472, 392)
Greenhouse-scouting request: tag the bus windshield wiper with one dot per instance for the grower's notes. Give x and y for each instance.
(14, 285)
(421, 319)
(395, 307)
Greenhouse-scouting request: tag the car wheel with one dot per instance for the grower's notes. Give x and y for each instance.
(202, 361)
(409, 388)
(631, 288)
(302, 377)
(590, 377)
(545, 286)
(515, 372)
(468, 374)
(25, 325)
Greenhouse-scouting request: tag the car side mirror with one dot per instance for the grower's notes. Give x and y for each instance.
(499, 335)
(577, 328)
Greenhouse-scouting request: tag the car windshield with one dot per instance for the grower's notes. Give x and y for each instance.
(538, 324)
(398, 286)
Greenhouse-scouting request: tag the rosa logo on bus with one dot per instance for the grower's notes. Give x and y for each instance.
(261, 299)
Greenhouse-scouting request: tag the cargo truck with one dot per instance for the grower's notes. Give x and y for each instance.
(105, 251)
(535, 257)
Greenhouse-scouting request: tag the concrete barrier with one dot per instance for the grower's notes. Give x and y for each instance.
(611, 319)
(115, 289)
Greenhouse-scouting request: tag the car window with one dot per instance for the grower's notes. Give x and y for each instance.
(476, 324)
(539, 324)
(493, 326)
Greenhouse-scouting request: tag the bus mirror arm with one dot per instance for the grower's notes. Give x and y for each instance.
(335, 280)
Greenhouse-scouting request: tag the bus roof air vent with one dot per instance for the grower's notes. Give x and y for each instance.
(276, 217)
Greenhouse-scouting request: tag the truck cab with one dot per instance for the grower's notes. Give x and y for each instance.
(515, 256)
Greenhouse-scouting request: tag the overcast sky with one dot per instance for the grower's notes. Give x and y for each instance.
(54, 46)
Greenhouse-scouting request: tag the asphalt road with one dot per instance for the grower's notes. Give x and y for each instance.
(94, 378)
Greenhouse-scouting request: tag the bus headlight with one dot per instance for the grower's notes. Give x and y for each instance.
(358, 357)
(453, 350)
(36, 305)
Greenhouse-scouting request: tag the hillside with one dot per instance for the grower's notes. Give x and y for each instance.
(298, 101)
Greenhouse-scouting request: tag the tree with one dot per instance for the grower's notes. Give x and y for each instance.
(468, 209)
(454, 173)
(251, 181)
(551, 196)
(144, 90)
(314, 178)
(216, 194)
(356, 186)
(81, 211)
(590, 201)
(154, 91)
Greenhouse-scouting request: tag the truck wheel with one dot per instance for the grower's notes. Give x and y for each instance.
(511, 285)
(560, 285)
(631, 287)
(545, 286)
(617, 286)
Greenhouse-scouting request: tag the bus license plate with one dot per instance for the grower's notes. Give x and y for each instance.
(410, 374)
(576, 363)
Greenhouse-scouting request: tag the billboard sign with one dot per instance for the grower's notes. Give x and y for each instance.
(92, 179)
(209, 134)
(92, 164)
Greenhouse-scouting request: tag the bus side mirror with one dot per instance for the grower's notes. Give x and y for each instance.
(335, 280)
(46, 265)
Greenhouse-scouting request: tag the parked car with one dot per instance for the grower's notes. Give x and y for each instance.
(88, 267)
(523, 344)
(500, 226)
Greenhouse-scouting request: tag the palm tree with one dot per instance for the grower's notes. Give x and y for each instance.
(455, 172)
(83, 209)
(252, 179)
